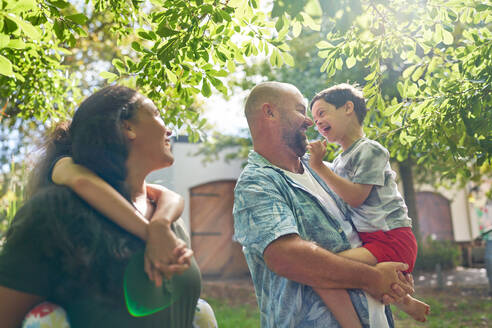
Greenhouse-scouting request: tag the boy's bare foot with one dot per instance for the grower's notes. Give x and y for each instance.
(415, 308)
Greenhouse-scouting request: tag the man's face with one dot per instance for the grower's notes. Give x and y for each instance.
(294, 121)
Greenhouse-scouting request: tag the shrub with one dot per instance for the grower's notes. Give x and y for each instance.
(432, 252)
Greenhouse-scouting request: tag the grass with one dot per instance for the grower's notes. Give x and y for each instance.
(235, 316)
(450, 308)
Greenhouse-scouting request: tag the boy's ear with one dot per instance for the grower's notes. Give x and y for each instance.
(129, 130)
(349, 107)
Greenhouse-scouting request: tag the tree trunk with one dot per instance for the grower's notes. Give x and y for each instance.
(406, 176)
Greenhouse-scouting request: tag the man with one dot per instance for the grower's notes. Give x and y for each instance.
(291, 228)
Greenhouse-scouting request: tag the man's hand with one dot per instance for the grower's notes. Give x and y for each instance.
(391, 285)
(165, 254)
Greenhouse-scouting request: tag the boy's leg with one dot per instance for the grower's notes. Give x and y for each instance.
(412, 306)
(360, 254)
(415, 308)
(339, 303)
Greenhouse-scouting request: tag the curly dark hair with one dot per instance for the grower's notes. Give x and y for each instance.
(94, 138)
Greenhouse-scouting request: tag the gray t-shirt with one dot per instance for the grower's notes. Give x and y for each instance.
(367, 162)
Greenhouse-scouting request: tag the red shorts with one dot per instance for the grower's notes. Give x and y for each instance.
(397, 245)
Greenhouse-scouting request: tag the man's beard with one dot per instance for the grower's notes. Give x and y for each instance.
(296, 141)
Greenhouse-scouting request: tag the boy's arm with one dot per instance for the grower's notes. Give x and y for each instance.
(170, 205)
(100, 195)
(162, 245)
(353, 194)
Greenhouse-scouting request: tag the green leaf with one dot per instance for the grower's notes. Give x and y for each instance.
(171, 76)
(324, 45)
(447, 37)
(280, 23)
(438, 33)
(206, 91)
(296, 29)
(6, 67)
(350, 62)
(60, 4)
(80, 19)
(120, 66)
(338, 63)
(408, 71)
(26, 27)
(4, 40)
(164, 31)
(371, 76)
(16, 44)
(289, 60)
(108, 76)
(136, 46)
(417, 73)
(20, 6)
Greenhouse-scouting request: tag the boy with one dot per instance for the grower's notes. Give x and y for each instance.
(363, 178)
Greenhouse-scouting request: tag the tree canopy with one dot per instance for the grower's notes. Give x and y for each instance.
(170, 50)
(425, 69)
(425, 66)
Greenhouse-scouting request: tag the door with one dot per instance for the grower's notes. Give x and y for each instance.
(212, 229)
(434, 216)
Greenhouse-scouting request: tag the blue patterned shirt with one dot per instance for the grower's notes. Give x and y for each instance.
(268, 205)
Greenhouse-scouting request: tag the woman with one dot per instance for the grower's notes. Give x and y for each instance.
(61, 250)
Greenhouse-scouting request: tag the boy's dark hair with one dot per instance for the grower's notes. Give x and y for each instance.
(339, 94)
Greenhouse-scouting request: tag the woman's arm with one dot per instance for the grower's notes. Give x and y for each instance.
(14, 305)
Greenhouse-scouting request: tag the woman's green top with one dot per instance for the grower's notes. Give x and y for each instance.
(60, 248)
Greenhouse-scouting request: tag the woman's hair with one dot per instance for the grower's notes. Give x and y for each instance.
(81, 242)
(93, 139)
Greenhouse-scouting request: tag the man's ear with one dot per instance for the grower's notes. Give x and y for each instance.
(268, 110)
(129, 130)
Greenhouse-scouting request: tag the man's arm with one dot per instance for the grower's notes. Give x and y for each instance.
(307, 263)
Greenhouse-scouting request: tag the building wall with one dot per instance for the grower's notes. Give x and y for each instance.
(465, 225)
(189, 171)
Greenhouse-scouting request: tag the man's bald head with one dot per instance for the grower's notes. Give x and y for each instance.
(266, 92)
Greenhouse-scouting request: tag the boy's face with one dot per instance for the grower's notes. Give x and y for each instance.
(332, 122)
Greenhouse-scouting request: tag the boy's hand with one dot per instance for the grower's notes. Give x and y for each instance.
(165, 254)
(317, 150)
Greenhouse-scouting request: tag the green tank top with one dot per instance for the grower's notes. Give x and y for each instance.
(60, 248)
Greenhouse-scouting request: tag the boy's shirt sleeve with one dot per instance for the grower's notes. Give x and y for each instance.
(369, 164)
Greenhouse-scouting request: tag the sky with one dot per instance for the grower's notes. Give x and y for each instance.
(227, 116)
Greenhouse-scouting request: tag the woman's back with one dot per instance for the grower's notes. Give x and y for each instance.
(60, 248)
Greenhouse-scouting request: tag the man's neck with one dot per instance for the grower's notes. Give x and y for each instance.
(282, 158)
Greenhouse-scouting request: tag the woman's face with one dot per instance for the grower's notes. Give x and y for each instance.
(152, 142)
